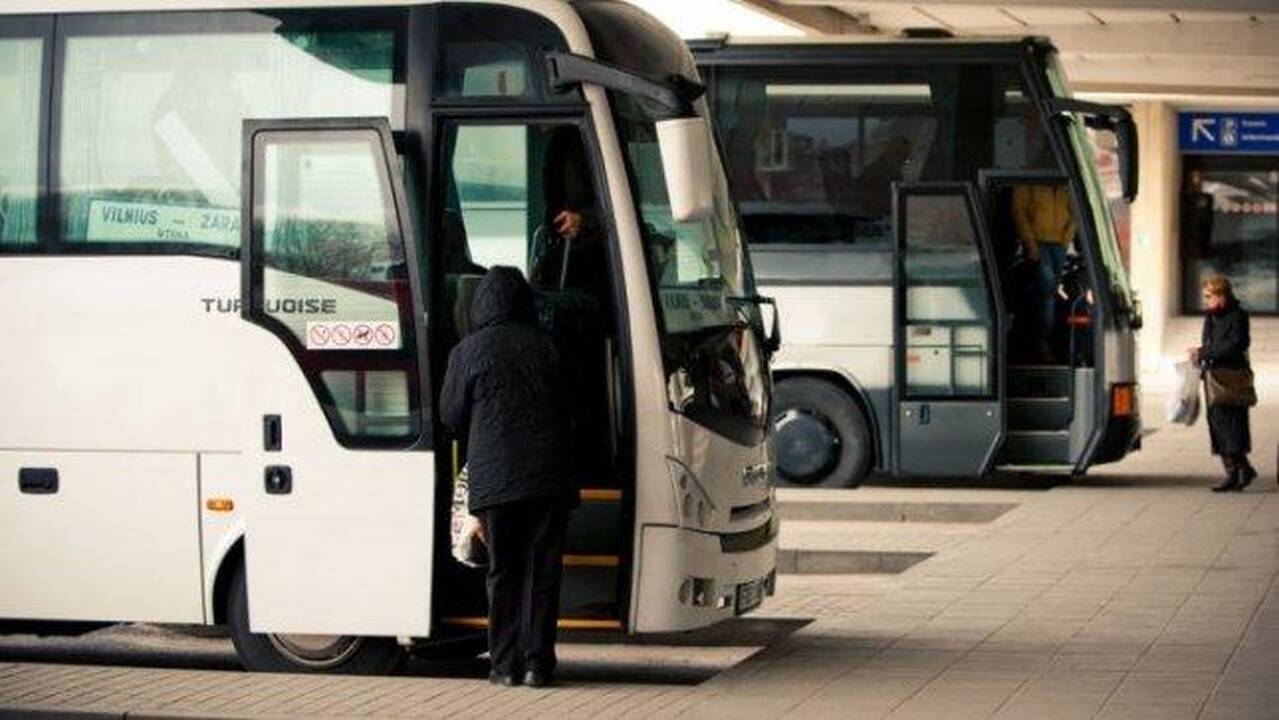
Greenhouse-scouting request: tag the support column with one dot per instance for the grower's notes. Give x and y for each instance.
(1156, 241)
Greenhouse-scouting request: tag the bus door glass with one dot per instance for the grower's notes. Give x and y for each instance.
(948, 345)
(339, 525)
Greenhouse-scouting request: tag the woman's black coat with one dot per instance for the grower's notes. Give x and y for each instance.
(1226, 338)
(503, 390)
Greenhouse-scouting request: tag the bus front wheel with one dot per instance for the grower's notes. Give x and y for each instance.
(345, 654)
(822, 437)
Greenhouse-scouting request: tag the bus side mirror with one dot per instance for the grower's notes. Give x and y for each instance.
(1110, 118)
(773, 340)
(685, 145)
(1129, 154)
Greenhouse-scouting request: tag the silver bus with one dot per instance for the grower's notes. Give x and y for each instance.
(238, 240)
(878, 182)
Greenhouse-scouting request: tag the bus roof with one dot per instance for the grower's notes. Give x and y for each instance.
(26, 7)
(828, 45)
(38, 7)
(868, 39)
(560, 12)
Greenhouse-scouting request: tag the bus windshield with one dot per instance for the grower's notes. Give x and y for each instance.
(1107, 233)
(702, 281)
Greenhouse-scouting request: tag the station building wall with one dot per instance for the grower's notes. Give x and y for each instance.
(1166, 228)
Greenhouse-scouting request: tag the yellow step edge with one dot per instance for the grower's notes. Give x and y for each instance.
(591, 560)
(596, 495)
(480, 623)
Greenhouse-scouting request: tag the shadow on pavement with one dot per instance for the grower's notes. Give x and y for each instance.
(999, 480)
(1168, 481)
(589, 658)
(738, 632)
(128, 645)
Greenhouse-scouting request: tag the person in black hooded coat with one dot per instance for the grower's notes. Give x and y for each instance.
(1226, 338)
(504, 391)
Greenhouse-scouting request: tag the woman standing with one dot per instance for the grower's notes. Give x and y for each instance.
(1225, 347)
(504, 390)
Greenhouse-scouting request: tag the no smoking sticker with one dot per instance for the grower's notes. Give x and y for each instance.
(352, 335)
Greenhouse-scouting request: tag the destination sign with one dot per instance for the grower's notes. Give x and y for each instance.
(1217, 132)
(111, 220)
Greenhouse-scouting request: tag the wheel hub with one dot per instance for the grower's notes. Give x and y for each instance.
(807, 446)
(316, 651)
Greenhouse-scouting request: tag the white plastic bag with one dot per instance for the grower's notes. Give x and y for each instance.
(1183, 404)
(466, 529)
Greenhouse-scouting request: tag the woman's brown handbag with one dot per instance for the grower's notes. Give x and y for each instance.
(1230, 387)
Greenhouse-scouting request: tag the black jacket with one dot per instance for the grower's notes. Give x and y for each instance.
(1225, 338)
(1225, 345)
(503, 390)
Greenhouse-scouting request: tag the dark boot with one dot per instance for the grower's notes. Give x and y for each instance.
(536, 679)
(1230, 484)
(1246, 474)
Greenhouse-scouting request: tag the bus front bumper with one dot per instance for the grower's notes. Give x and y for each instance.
(690, 579)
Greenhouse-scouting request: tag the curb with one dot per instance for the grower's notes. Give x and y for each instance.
(20, 713)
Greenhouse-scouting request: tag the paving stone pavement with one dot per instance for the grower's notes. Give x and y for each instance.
(1130, 593)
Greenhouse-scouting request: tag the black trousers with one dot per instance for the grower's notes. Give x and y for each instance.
(1230, 430)
(1235, 462)
(526, 544)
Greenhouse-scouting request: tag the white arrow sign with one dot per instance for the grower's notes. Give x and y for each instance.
(1201, 126)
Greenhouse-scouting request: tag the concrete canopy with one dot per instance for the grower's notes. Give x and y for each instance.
(1223, 48)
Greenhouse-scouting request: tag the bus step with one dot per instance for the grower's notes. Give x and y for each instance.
(590, 586)
(565, 623)
(1049, 413)
(1036, 447)
(597, 526)
(1039, 381)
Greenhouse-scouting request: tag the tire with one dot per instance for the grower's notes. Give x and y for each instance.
(822, 436)
(348, 655)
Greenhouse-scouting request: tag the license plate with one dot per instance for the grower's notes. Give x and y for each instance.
(750, 595)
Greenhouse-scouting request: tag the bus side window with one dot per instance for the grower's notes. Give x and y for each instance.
(494, 53)
(149, 139)
(20, 77)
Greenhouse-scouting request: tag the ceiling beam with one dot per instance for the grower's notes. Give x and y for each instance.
(815, 19)
(1206, 76)
(1244, 41)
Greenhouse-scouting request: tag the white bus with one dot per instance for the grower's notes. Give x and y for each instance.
(878, 180)
(236, 246)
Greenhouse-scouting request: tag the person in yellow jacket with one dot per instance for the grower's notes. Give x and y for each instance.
(1046, 228)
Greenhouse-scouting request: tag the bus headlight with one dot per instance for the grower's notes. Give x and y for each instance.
(693, 504)
(701, 592)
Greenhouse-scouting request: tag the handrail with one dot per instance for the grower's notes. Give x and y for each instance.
(1070, 349)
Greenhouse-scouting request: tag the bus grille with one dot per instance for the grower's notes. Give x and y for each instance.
(748, 540)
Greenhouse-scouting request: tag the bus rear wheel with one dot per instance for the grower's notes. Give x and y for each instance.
(821, 435)
(294, 653)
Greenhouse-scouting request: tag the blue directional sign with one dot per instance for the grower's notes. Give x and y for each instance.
(1218, 132)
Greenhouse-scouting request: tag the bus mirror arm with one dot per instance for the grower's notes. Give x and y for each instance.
(1111, 118)
(772, 340)
(675, 95)
(1136, 317)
